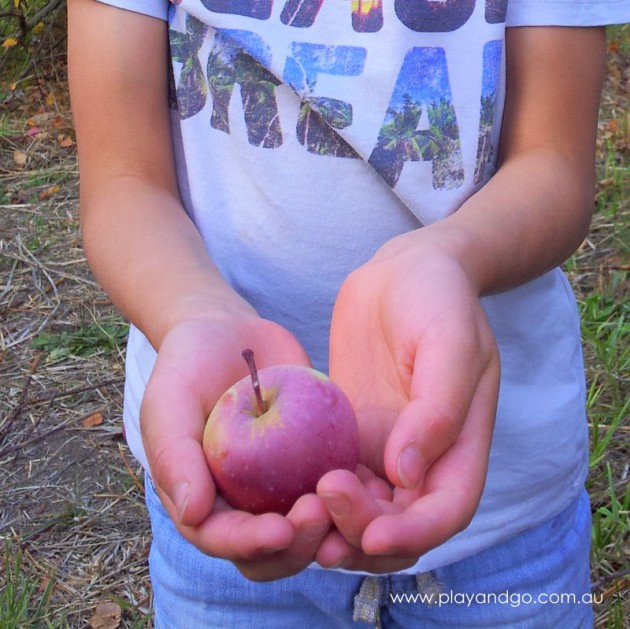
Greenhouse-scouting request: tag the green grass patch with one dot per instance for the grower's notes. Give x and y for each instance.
(24, 599)
(95, 338)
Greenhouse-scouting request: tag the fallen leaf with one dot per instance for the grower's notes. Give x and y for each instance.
(40, 119)
(65, 141)
(49, 192)
(19, 157)
(95, 419)
(9, 42)
(45, 583)
(106, 616)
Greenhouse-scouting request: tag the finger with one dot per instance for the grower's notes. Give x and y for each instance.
(311, 524)
(356, 508)
(188, 486)
(172, 428)
(451, 490)
(445, 380)
(240, 536)
(423, 526)
(335, 552)
(350, 504)
(378, 488)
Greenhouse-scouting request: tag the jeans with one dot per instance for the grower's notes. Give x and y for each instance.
(537, 579)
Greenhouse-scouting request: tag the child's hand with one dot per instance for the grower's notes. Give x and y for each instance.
(198, 360)
(411, 347)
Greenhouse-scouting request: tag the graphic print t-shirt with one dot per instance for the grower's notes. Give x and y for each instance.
(310, 132)
(314, 131)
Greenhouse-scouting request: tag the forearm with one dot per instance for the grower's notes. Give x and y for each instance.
(150, 258)
(536, 210)
(140, 243)
(528, 219)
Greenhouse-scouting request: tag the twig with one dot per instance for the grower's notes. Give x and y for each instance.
(134, 478)
(35, 264)
(25, 444)
(15, 413)
(29, 431)
(44, 12)
(29, 442)
(55, 395)
(18, 303)
(56, 519)
(620, 581)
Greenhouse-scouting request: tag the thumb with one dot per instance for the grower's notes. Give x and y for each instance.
(421, 433)
(180, 474)
(444, 397)
(172, 430)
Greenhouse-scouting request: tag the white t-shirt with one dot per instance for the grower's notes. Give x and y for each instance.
(308, 133)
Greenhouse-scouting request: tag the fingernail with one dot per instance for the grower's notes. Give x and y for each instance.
(182, 494)
(390, 551)
(410, 466)
(337, 505)
(311, 532)
(343, 564)
(270, 550)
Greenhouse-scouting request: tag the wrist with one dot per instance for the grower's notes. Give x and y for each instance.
(439, 247)
(219, 306)
(451, 242)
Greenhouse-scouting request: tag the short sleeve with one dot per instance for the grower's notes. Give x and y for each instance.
(567, 12)
(153, 8)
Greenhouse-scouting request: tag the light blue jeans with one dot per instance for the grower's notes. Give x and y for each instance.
(538, 579)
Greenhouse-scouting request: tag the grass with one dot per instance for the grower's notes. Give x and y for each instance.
(24, 600)
(73, 530)
(599, 273)
(100, 336)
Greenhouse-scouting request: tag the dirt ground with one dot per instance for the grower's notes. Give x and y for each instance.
(71, 494)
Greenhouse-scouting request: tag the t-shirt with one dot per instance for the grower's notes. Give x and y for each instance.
(307, 133)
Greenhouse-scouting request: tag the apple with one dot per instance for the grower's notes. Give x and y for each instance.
(274, 434)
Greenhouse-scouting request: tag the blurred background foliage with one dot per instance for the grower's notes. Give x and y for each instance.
(32, 38)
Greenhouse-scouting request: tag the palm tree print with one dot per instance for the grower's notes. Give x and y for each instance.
(239, 57)
(367, 16)
(300, 13)
(317, 123)
(492, 53)
(259, 9)
(422, 85)
(430, 16)
(192, 89)
(496, 11)
(321, 118)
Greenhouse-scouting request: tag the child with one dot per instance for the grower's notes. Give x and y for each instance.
(384, 190)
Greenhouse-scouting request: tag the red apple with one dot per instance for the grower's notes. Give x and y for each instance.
(271, 437)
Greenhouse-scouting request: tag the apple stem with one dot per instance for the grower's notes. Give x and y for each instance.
(248, 355)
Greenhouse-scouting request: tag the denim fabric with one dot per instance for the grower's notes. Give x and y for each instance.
(522, 583)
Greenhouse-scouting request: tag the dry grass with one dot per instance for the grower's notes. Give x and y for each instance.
(71, 495)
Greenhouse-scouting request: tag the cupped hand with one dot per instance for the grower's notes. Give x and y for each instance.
(412, 348)
(197, 361)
